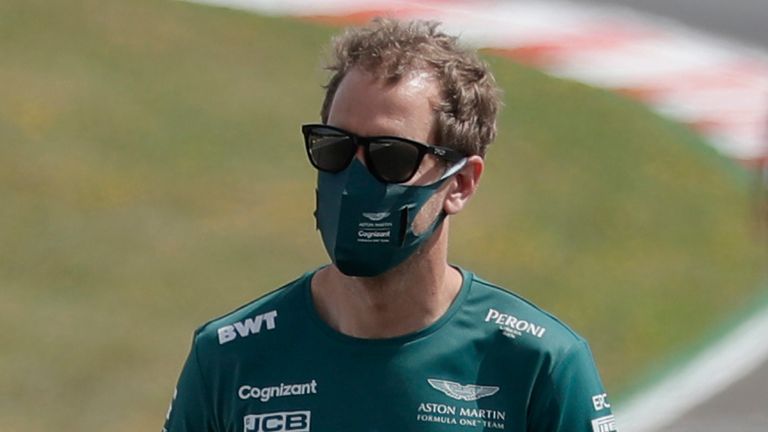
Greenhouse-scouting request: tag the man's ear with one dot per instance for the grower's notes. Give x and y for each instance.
(463, 185)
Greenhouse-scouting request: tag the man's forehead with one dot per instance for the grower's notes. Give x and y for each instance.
(367, 105)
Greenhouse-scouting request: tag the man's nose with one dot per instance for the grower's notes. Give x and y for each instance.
(360, 155)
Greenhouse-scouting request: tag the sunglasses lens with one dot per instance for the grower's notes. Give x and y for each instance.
(330, 150)
(394, 161)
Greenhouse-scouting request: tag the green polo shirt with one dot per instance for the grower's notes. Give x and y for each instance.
(492, 362)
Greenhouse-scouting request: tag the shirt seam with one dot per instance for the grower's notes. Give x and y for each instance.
(264, 296)
(555, 368)
(206, 391)
(533, 305)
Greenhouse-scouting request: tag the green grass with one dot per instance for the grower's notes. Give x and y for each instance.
(152, 177)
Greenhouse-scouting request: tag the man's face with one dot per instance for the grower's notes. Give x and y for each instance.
(367, 106)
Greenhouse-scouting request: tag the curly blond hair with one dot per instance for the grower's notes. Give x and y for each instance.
(470, 98)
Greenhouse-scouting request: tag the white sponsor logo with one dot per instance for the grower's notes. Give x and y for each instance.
(285, 421)
(247, 327)
(600, 402)
(266, 393)
(368, 235)
(488, 419)
(604, 424)
(375, 230)
(375, 217)
(513, 326)
(469, 392)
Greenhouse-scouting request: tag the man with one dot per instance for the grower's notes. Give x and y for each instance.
(390, 337)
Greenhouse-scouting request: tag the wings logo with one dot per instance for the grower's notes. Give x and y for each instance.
(468, 392)
(375, 217)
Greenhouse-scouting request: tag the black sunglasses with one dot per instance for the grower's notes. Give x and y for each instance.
(390, 159)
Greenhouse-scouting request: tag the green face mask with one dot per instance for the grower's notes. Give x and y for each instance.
(366, 225)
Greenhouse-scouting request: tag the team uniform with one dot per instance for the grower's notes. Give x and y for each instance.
(492, 362)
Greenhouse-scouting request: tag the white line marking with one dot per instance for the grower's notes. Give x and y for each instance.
(720, 365)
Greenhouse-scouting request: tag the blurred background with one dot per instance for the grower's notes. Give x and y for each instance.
(152, 177)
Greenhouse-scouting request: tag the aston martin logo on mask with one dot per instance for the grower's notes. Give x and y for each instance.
(467, 392)
(375, 217)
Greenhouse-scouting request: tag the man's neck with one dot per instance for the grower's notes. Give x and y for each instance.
(408, 298)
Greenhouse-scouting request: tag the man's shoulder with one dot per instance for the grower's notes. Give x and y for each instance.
(258, 316)
(524, 324)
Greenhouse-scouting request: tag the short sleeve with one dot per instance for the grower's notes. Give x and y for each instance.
(572, 397)
(190, 409)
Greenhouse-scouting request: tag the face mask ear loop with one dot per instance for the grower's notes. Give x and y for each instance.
(435, 224)
(404, 225)
(317, 206)
(454, 169)
(406, 231)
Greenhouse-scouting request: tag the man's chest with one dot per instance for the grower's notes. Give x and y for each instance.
(444, 391)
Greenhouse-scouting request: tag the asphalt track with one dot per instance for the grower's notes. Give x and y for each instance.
(741, 20)
(743, 406)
